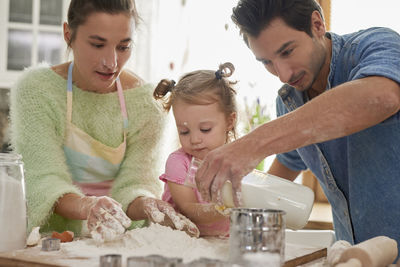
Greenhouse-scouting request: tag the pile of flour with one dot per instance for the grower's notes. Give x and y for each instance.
(155, 239)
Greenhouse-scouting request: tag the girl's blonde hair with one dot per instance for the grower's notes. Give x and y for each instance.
(202, 87)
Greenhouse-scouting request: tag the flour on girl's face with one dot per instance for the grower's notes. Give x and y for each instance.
(155, 239)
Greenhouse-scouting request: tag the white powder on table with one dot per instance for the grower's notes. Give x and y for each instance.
(12, 214)
(155, 239)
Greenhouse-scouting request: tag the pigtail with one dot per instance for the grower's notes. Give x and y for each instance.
(225, 70)
(163, 88)
(227, 93)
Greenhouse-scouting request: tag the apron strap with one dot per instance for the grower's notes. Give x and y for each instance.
(69, 92)
(120, 98)
(122, 104)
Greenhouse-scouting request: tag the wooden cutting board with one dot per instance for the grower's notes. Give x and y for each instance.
(36, 258)
(321, 253)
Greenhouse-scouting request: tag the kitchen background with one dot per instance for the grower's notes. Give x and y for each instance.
(174, 37)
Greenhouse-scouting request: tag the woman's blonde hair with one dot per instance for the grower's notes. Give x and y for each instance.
(201, 87)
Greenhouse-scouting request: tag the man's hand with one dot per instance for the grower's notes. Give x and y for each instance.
(230, 162)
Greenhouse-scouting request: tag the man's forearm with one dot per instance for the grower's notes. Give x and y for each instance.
(339, 112)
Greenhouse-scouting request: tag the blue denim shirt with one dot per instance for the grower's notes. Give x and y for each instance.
(359, 173)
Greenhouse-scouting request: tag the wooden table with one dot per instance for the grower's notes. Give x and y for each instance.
(34, 257)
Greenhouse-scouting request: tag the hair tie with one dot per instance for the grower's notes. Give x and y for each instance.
(171, 85)
(218, 74)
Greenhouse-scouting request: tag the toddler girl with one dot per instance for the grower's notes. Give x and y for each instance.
(204, 107)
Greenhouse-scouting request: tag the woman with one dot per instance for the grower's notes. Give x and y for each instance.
(88, 128)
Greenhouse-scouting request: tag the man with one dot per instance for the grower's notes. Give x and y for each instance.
(338, 115)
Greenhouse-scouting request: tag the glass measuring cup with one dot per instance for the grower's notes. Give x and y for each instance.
(265, 191)
(257, 237)
(191, 173)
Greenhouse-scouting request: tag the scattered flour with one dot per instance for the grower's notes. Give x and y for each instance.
(158, 240)
(155, 239)
(261, 259)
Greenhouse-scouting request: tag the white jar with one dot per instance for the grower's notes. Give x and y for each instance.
(13, 218)
(265, 191)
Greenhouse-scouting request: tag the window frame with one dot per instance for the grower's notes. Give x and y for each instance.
(8, 77)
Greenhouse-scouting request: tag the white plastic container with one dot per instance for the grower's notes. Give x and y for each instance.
(265, 191)
(13, 219)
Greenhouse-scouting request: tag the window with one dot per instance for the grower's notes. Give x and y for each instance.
(351, 16)
(31, 33)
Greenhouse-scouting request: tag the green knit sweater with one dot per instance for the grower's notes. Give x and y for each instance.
(38, 123)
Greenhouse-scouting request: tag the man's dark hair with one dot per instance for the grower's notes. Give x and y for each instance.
(252, 16)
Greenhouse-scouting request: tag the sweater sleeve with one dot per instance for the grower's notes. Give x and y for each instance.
(37, 131)
(138, 175)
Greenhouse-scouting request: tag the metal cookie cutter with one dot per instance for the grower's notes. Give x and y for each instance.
(110, 260)
(51, 244)
(134, 261)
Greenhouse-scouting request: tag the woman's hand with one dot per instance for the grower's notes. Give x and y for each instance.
(106, 220)
(158, 211)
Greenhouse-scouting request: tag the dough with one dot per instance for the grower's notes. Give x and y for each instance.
(34, 237)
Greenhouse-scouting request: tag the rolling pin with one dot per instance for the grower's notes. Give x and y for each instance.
(353, 262)
(336, 250)
(375, 252)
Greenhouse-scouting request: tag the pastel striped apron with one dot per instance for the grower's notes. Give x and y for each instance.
(93, 165)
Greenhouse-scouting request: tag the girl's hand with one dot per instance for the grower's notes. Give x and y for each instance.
(161, 212)
(106, 220)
